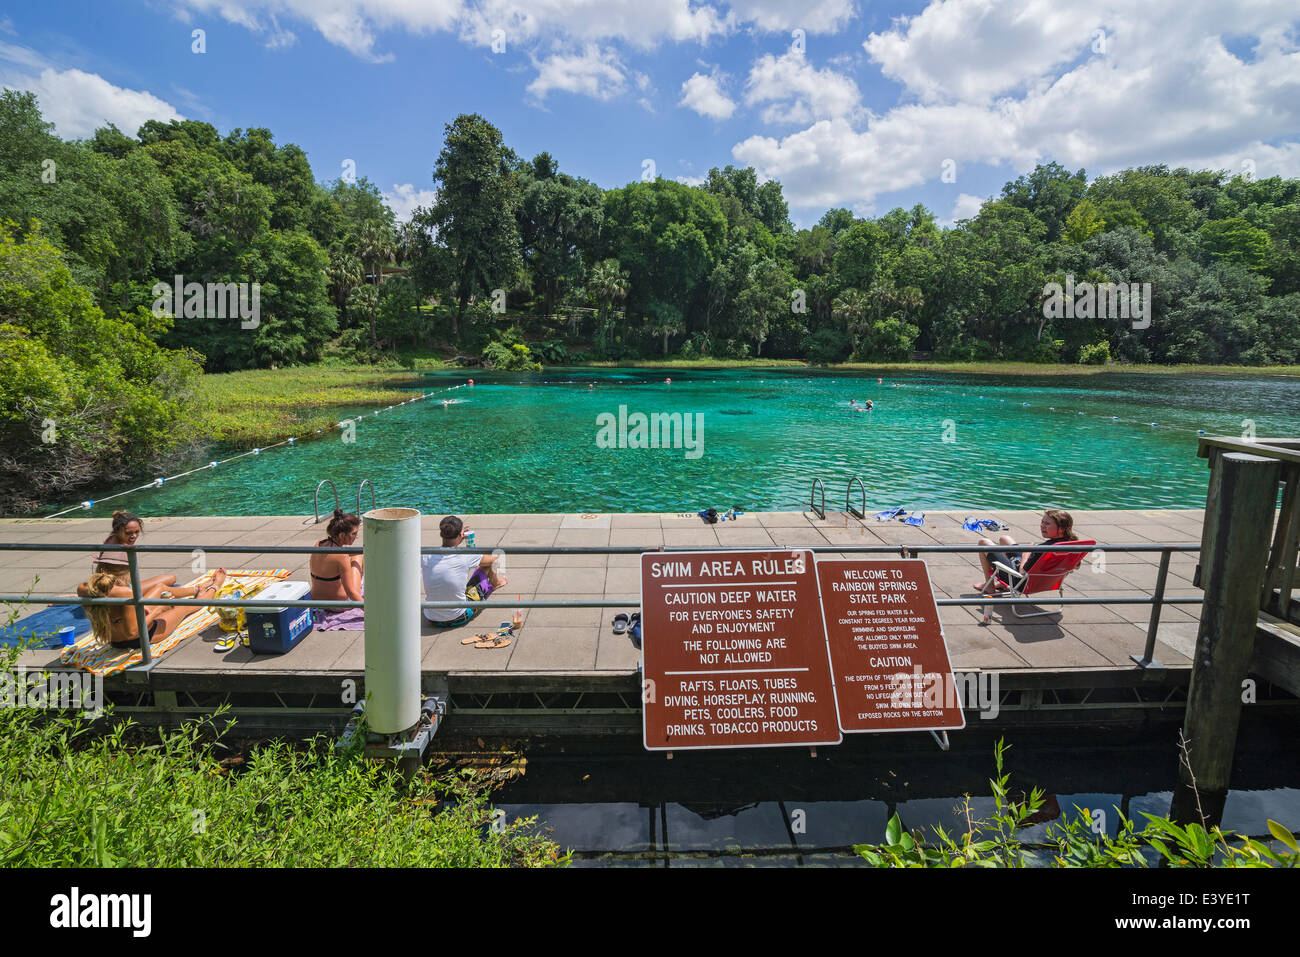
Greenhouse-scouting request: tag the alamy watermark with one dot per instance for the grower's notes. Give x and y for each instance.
(65, 690)
(209, 300)
(932, 691)
(1103, 300)
(658, 430)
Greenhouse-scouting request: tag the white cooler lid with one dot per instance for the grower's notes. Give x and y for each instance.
(279, 591)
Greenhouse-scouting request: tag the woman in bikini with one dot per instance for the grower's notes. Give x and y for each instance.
(127, 529)
(338, 577)
(116, 623)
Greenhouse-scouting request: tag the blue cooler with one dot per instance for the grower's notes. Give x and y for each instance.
(273, 631)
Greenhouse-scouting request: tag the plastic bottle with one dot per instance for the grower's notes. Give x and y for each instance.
(518, 620)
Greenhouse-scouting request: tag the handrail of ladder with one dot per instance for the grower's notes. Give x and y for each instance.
(812, 505)
(848, 495)
(316, 502)
(365, 482)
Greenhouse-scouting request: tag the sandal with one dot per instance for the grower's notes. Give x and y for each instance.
(472, 639)
(621, 622)
(493, 643)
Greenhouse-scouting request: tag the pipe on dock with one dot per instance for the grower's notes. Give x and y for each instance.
(392, 629)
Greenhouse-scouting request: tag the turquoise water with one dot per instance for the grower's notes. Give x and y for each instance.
(529, 444)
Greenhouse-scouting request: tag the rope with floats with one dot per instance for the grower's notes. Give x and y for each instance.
(163, 480)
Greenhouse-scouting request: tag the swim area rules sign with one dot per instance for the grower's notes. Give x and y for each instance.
(734, 651)
(769, 649)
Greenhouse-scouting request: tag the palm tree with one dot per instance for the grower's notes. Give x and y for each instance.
(665, 320)
(344, 274)
(851, 306)
(608, 284)
(375, 245)
(909, 298)
(366, 299)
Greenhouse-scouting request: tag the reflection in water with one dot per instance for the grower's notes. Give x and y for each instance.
(613, 804)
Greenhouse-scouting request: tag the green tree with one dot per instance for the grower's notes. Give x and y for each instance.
(83, 398)
(1236, 241)
(475, 212)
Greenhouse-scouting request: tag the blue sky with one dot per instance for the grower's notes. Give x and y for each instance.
(865, 105)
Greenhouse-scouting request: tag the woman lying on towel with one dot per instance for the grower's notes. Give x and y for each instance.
(116, 623)
(338, 577)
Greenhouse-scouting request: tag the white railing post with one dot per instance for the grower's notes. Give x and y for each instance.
(392, 627)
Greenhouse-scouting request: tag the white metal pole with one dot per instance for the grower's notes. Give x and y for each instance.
(392, 628)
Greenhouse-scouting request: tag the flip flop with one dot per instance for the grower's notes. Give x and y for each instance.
(634, 630)
(474, 638)
(493, 643)
(621, 622)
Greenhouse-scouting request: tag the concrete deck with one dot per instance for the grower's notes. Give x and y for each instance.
(556, 642)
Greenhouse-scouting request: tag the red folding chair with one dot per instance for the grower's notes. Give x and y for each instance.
(1048, 574)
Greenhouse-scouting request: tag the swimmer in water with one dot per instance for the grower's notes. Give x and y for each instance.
(869, 405)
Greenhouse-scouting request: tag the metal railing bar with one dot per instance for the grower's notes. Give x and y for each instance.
(914, 550)
(542, 603)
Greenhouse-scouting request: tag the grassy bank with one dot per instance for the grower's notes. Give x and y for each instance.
(261, 406)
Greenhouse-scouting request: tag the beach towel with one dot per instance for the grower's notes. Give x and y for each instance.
(100, 658)
(983, 525)
(340, 619)
(44, 625)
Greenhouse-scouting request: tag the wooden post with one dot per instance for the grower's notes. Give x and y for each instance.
(1234, 551)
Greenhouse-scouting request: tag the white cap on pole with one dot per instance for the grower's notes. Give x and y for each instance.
(392, 628)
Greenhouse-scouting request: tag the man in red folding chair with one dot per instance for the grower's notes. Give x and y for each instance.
(1020, 574)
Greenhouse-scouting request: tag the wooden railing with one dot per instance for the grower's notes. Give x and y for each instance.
(1280, 579)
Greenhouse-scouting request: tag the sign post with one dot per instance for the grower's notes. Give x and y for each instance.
(734, 651)
(888, 654)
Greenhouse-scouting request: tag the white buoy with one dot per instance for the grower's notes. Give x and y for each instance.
(392, 602)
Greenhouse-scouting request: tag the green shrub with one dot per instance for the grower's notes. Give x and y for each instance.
(81, 793)
(995, 843)
(826, 346)
(1097, 354)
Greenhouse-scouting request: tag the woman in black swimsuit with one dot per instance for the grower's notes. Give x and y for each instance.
(338, 577)
(1055, 526)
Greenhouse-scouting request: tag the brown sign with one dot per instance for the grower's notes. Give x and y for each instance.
(734, 651)
(888, 653)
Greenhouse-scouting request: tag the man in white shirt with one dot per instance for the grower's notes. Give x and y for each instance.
(447, 577)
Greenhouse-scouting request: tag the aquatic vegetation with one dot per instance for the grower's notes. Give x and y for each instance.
(1073, 843)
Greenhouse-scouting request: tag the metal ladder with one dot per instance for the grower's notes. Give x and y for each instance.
(820, 509)
(323, 482)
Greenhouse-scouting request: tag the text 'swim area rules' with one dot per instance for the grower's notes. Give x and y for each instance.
(734, 651)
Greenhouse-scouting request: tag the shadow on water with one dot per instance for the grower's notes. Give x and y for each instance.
(613, 804)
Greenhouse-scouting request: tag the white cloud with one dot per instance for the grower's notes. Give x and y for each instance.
(798, 92)
(704, 95)
(78, 103)
(594, 72)
(350, 24)
(692, 180)
(404, 198)
(966, 207)
(822, 16)
(1160, 88)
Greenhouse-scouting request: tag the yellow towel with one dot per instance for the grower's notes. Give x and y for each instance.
(99, 657)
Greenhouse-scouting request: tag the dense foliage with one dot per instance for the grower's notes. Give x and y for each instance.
(77, 792)
(651, 269)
